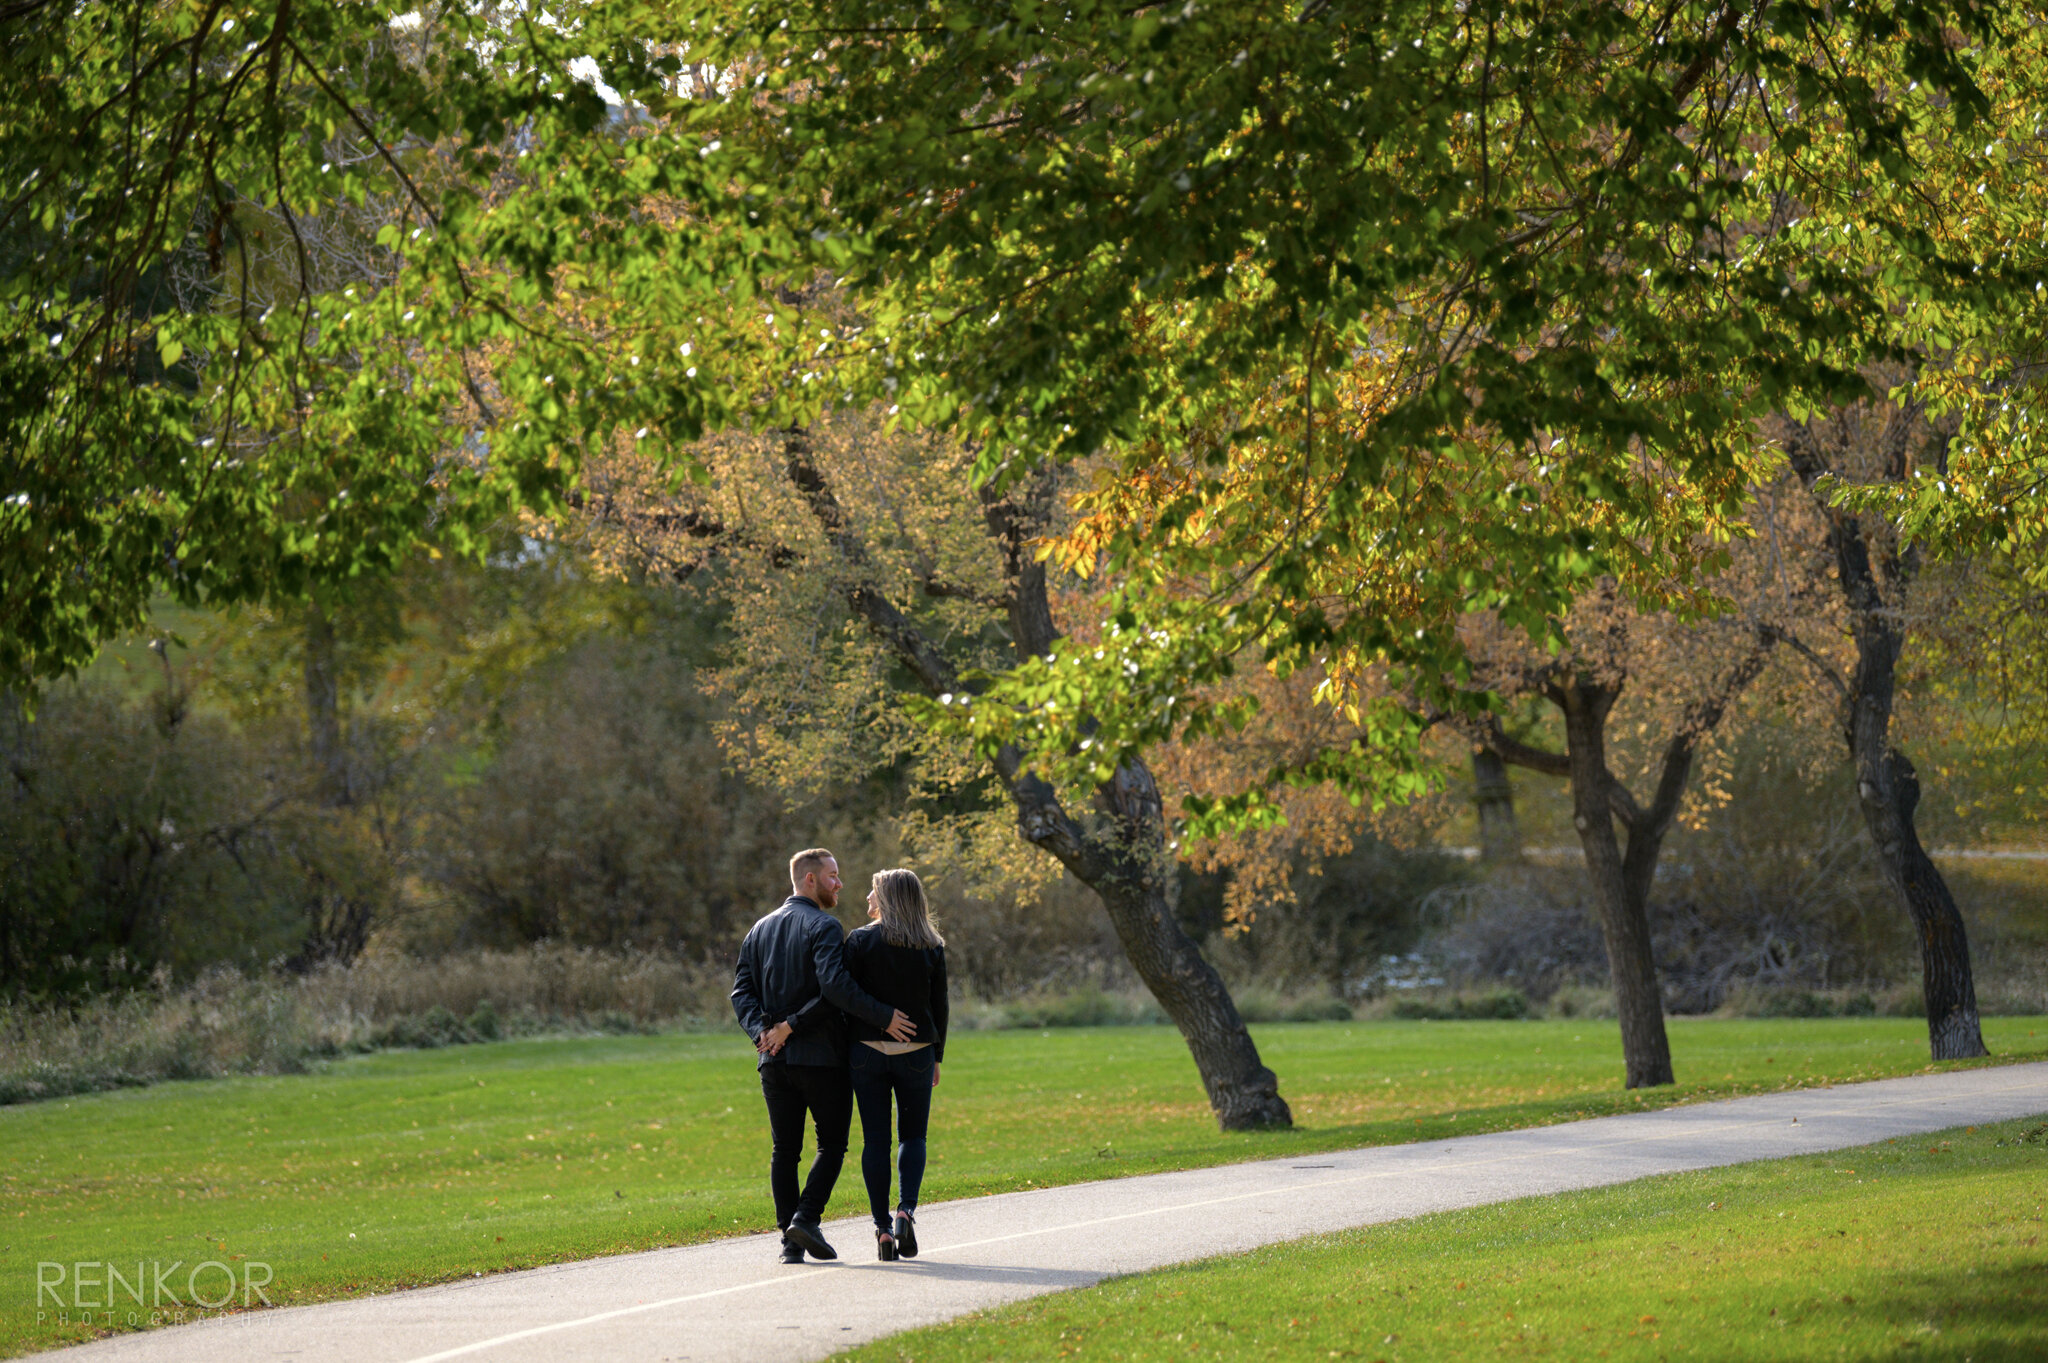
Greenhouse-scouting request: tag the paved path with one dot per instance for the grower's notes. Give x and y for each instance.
(730, 1300)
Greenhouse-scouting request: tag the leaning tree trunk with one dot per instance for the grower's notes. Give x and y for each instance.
(1888, 791)
(1622, 898)
(1129, 868)
(1121, 854)
(1125, 859)
(1887, 788)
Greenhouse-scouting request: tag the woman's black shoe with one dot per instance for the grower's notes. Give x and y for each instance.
(906, 1235)
(792, 1253)
(885, 1247)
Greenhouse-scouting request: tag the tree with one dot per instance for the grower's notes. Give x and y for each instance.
(229, 351)
(1696, 672)
(1097, 226)
(1877, 575)
(139, 833)
(1940, 464)
(860, 566)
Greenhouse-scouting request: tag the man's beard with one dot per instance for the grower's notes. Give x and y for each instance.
(828, 899)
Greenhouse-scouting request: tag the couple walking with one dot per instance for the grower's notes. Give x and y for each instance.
(841, 1019)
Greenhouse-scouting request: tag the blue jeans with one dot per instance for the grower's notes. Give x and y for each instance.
(876, 1079)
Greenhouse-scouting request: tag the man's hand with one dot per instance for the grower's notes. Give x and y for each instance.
(773, 1040)
(935, 1074)
(901, 1028)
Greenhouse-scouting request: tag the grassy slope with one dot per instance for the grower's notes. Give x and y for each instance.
(1924, 1249)
(411, 1167)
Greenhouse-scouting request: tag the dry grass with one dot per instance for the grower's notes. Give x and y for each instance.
(225, 1022)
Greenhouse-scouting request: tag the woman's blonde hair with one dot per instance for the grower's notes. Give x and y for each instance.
(906, 917)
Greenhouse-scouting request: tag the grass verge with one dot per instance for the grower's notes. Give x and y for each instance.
(403, 1168)
(1927, 1248)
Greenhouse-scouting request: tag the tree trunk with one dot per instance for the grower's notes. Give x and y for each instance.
(338, 917)
(1622, 898)
(1129, 870)
(1127, 863)
(1887, 788)
(1888, 791)
(323, 711)
(1500, 838)
(1244, 1094)
(1623, 878)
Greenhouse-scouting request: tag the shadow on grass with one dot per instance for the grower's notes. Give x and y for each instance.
(2000, 1313)
(1484, 1121)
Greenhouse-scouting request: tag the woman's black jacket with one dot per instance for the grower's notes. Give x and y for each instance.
(910, 978)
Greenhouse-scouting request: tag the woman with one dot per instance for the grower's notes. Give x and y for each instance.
(900, 958)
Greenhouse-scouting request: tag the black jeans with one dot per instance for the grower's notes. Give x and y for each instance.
(791, 1091)
(907, 1078)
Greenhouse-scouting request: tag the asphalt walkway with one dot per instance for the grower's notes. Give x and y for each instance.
(731, 1300)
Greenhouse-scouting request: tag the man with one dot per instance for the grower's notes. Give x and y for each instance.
(788, 991)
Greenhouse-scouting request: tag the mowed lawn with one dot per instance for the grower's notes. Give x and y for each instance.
(1926, 1248)
(404, 1168)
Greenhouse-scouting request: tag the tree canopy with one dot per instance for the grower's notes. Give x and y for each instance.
(1066, 228)
(1367, 286)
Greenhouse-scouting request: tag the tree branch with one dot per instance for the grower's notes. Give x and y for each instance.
(934, 672)
(1647, 827)
(1516, 753)
(1015, 520)
(1820, 665)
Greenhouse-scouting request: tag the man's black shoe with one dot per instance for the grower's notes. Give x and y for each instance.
(792, 1253)
(808, 1235)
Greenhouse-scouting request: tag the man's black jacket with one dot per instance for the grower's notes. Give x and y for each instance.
(792, 962)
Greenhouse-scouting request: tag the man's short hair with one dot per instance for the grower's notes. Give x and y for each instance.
(809, 860)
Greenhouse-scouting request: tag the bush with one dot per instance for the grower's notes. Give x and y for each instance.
(1085, 1007)
(435, 1027)
(1755, 1002)
(606, 815)
(1500, 1004)
(483, 1021)
(1523, 927)
(1258, 1004)
(1581, 1001)
(134, 836)
(1316, 1008)
(1795, 1003)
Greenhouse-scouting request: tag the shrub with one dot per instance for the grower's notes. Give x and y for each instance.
(483, 1021)
(1316, 1008)
(1501, 1004)
(1581, 1001)
(1265, 1005)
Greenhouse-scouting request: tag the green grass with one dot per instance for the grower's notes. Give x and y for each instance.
(1913, 1249)
(404, 1168)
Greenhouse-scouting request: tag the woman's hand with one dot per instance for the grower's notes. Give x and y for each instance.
(935, 1074)
(773, 1040)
